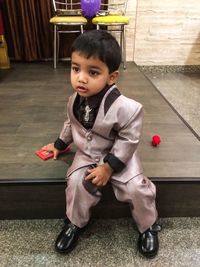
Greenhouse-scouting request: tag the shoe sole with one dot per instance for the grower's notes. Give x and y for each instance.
(149, 256)
(67, 250)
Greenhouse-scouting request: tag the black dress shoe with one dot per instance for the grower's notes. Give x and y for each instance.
(148, 244)
(68, 238)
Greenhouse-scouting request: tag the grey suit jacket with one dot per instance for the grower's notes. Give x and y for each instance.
(117, 132)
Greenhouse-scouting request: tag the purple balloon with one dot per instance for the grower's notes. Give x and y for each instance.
(90, 7)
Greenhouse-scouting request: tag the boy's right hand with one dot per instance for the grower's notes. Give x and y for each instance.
(51, 148)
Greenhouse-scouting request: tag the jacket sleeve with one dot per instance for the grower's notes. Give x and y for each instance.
(116, 164)
(65, 137)
(128, 137)
(66, 133)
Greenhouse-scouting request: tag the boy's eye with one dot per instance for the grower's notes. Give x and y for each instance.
(75, 69)
(93, 72)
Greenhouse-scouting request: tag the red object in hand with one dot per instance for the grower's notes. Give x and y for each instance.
(43, 154)
(155, 140)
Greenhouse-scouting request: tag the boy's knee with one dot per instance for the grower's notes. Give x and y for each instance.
(74, 181)
(141, 185)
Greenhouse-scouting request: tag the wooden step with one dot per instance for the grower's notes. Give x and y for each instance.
(47, 200)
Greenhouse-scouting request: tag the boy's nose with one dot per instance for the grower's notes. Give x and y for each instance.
(82, 77)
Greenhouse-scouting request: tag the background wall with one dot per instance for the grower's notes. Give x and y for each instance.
(163, 32)
(159, 33)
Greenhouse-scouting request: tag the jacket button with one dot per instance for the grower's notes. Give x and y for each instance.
(97, 159)
(89, 138)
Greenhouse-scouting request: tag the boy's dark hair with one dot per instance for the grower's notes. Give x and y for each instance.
(100, 44)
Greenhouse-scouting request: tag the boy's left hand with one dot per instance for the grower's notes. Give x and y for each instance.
(100, 175)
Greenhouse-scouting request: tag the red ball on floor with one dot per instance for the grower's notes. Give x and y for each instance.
(155, 141)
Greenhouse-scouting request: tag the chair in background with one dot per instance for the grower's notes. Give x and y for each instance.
(4, 59)
(112, 14)
(68, 19)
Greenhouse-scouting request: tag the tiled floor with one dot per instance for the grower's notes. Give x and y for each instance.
(109, 243)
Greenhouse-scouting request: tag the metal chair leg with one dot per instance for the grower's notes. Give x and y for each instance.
(55, 48)
(124, 47)
(58, 46)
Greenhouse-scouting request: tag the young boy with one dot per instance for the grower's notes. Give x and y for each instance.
(106, 128)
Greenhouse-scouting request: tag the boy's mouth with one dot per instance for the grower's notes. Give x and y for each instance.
(82, 89)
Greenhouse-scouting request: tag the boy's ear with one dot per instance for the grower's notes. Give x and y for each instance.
(113, 77)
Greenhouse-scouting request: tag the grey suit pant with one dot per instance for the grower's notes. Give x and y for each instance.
(139, 192)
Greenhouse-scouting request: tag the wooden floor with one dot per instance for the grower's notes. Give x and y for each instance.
(33, 108)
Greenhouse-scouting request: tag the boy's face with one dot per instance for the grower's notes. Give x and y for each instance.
(90, 75)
